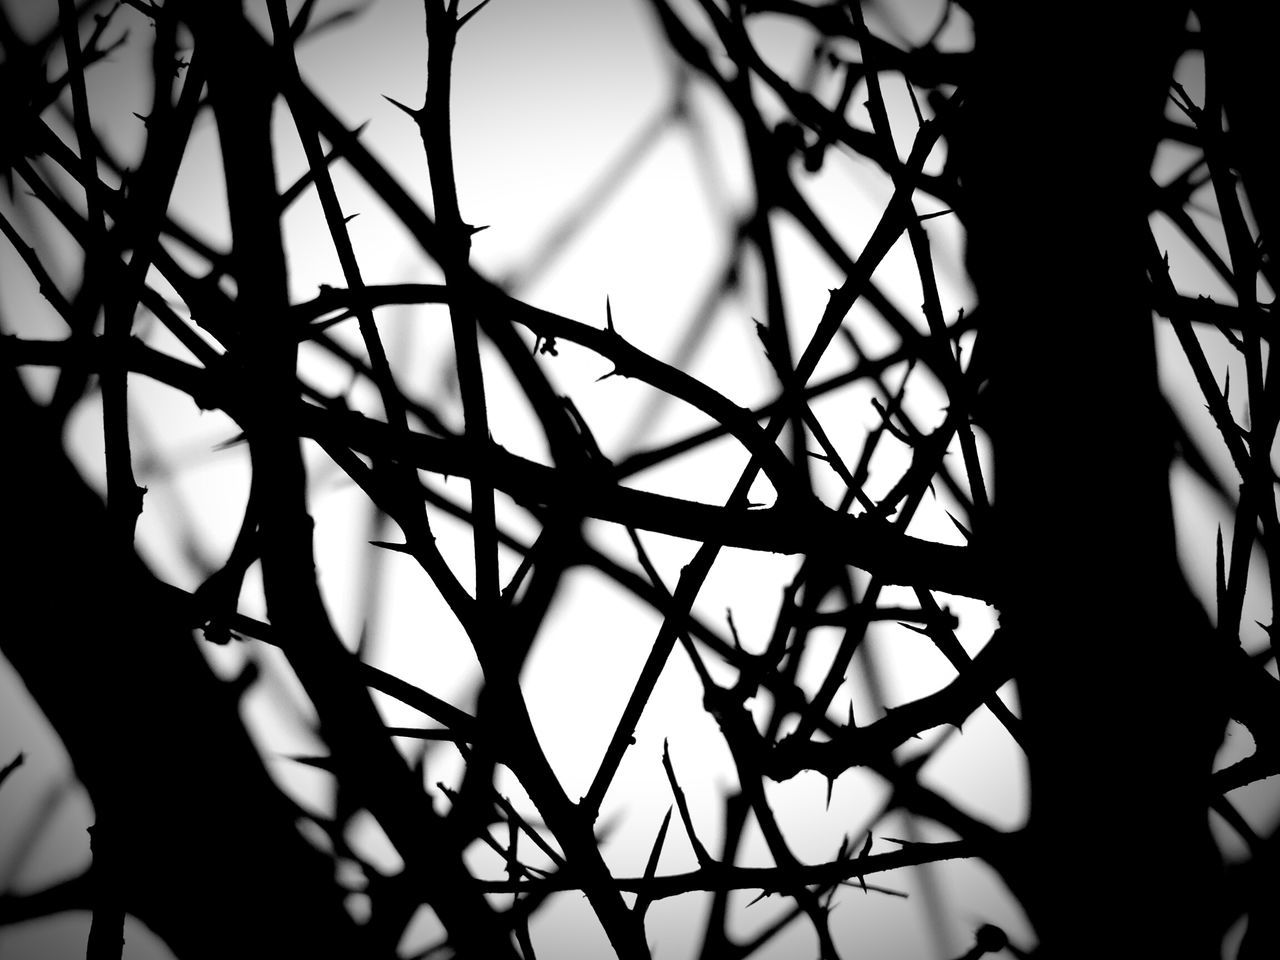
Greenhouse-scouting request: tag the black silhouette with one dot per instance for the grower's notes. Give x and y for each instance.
(1050, 123)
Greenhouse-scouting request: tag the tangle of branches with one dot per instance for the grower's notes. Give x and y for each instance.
(978, 463)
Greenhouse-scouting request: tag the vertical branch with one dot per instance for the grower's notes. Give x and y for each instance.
(392, 403)
(763, 174)
(1239, 65)
(124, 498)
(943, 360)
(501, 700)
(366, 761)
(443, 25)
(402, 479)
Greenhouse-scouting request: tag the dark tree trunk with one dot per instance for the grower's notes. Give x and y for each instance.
(1115, 669)
(205, 848)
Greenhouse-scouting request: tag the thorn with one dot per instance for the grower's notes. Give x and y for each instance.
(651, 867)
(763, 893)
(964, 531)
(12, 765)
(320, 763)
(227, 444)
(831, 783)
(843, 850)
(145, 118)
(606, 376)
(348, 219)
(608, 316)
(416, 115)
(733, 629)
(473, 230)
(866, 847)
(394, 547)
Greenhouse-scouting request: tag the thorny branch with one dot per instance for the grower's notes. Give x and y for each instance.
(220, 326)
